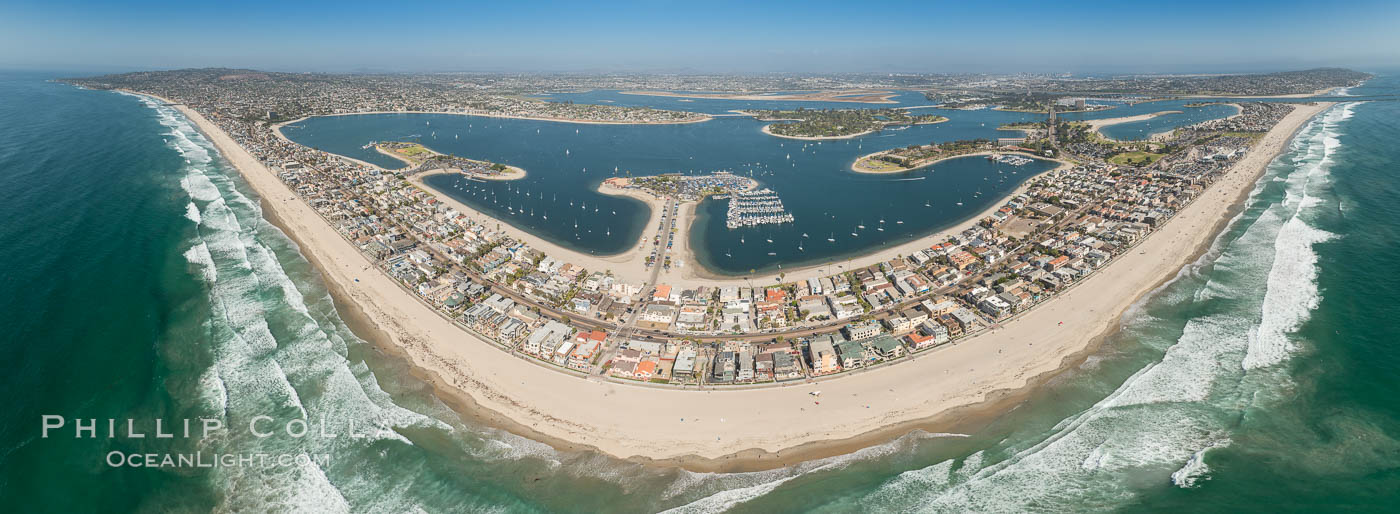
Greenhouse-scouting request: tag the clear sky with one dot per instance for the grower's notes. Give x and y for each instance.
(701, 36)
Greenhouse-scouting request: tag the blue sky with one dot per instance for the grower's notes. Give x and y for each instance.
(703, 36)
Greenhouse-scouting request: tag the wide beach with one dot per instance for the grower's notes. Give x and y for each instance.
(705, 429)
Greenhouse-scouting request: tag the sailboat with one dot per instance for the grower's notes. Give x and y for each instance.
(832, 238)
(741, 239)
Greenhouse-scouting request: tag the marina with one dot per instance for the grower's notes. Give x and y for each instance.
(753, 208)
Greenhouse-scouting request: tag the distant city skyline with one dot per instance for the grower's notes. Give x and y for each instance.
(726, 37)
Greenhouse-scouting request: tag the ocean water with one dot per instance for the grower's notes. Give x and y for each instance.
(142, 282)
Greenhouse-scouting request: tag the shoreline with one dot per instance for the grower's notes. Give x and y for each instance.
(705, 276)
(511, 173)
(1098, 125)
(869, 96)
(766, 130)
(856, 169)
(629, 266)
(703, 118)
(767, 421)
(626, 265)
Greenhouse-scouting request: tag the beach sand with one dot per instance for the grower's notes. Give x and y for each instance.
(718, 429)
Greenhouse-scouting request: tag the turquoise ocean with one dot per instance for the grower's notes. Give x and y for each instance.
(141, 281)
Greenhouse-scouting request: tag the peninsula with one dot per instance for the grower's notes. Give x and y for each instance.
(541, 341)
(819, 124)
(421, 158)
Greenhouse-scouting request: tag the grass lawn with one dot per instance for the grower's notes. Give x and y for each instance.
(1134, 158)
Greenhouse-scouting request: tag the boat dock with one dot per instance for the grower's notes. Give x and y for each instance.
(752, 208)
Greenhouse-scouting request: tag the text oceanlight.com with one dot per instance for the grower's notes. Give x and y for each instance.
(118, 459)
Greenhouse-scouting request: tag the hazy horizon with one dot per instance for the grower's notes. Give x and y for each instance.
(663, 37)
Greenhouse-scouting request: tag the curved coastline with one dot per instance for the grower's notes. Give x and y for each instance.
(629, 265)
(511, 173)
(701, 118)
(767, 130)
(777, 421)
(1099, 124)
(855, 164)
(699, 276)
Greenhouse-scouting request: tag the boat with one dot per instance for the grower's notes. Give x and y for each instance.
(832, 238)
(772, 253)
(770, 240)
(853, 234)
(804, 234)
(899, 222)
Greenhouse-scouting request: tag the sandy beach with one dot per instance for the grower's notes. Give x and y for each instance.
(766, 130)
(511, 172)
(858, 169)
(693, 275)
(1097, 125)
(757, 428)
